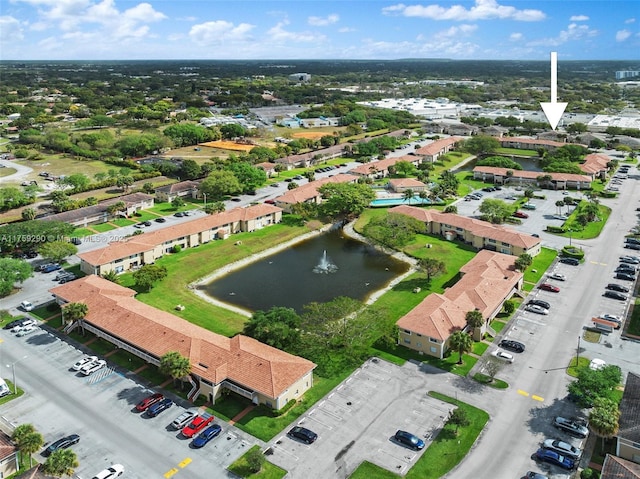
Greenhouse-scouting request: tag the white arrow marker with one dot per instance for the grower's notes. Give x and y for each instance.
(553, 110)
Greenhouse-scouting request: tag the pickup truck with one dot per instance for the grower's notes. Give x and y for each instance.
(198, 424)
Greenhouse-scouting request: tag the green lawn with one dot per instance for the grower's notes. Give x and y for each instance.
(81, 232)
(103, 227)
(495, 383)
(120, 222)
(515, 151)
(445, 452)
(575, 230)
(572, 369)
(269, 471)
(12, 396)
(634, 324)
(479, 348)
(126, 360)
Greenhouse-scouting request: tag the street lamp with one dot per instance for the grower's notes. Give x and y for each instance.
(13, 368)
(205, 199)
(570, 231)
(578, 352)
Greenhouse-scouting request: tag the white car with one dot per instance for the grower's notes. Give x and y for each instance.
(110, 473)
(26, 323)
(92, 367)
(83, 362)
(558, 277)
(26, 330)
(503, 355)
(611, 317)
(560, 217)
(534, 308)
(26, 306)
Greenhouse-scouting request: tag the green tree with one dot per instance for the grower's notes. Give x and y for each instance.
(175, 365)
(78, 181)
(28, 214)
(604, 418)
(474, 318)
(177, 202)
(74, 312)
(393, 230)
(62, 462)
(57, 250)
(451, 209)
(408, 195)
(345, 200)
(28, 235)
(145, 277)
(459, 418)
(405, 168)
(481, 144)
(215, 207)
(278, 327)
(461, 342)
(449, 183)
(523, 262)
(13, 271)
(255, 460)
(190, 170)
(431, 267)
(592, 384)
(249, 177)
(116, 207)
(492, 367)
(220, 183)
(495, 211)
(27, 439)
(559, 205)
(509, 307)
(232, 130)
(22, 431)
(124, 182)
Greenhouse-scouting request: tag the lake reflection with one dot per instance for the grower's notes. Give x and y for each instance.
(288, 278)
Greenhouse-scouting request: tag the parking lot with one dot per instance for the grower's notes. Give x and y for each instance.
(357, 420)
(101, 409)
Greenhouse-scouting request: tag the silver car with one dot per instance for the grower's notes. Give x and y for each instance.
(534, 308)
(562, 448)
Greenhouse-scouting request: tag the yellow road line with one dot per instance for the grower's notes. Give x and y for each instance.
(523, 393)
(185, 462)
(170, 472)
(537, 398)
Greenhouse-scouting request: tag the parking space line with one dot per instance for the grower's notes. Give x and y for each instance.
(522, 393)
(284, 450)
(185, 462)
(170, 472)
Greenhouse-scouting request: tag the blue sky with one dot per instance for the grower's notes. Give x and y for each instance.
(319, 29)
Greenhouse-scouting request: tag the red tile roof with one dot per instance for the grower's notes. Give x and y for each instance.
(382, 165)
(488, 279)
(595, 163)
(479, 228)
(406, 183)
(147, 241)
(532, 175)
(438, 146)
(7, 448)
(241, 359)
(310, 190)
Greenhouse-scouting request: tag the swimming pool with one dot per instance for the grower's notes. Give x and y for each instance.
(416, 200)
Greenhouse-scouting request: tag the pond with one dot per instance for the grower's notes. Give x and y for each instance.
(319, 269)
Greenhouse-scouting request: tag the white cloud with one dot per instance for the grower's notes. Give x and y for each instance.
(323, 21)
(482, 10)
(516, 37)
(454, 31)
(573, 32)
(579, 18)
(10, 29)
(279, 34)
(630, 20)
(622, 35)
(346, 30)
(219, 32)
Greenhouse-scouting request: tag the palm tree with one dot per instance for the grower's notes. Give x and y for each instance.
(74, 312)
(604, 417)
(20, 432)
(474, 319)
(175, 365)
(461, 342)
(31, 443)
(112, 276)
(408, 195)
(60, 463)
(559, 205)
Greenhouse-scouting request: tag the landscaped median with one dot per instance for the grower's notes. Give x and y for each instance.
(445, 452)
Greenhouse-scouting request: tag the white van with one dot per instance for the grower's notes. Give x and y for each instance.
(4, 389)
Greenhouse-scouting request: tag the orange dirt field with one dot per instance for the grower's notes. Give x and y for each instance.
(228, 145)
(310, 135)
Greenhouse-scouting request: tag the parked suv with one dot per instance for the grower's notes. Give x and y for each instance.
(571, 427)
(617, 287)
(303, 434)
(570, 261)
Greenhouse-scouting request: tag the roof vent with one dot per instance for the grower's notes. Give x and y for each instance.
(203, 365)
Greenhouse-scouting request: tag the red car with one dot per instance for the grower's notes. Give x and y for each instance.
(270, 202)
(550, 287)
(147, 402)
(197, 425)
(520, 214)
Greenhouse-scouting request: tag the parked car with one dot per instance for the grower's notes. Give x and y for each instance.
(66, 279)
(632, 246)
(48, 268)
(139, 225)
(410, 440)
(18, 322)
(534, 308)
(617, 287)
(197, 424)
(24, 330)
(562, 448)
(205, 436)
(179, 214)
(23, 324)
(560, 217)
(611, 317)
(571, 427)
(160, 220)
(91, 368)
(534, 475)
(63, 443)
(626, 267)
(61, 275)
(558, 277)
(82, 362)
(270, 202)
(570, 261)
(511, 345)
(553, 457)
(632, 240)
(149, 401)
(26, 306)
(75, 240)
(158, 407)
(146, 223)
(183, 419)
(502, 355)
(625, 276)
(110, 473)
(529, 206)
(629, 259)
(303, 434)
(615, 295)
(520, 214)
(549, 287)
(540, 302)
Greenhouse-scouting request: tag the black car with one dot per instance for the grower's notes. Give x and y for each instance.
(16, 322)
(29, 254)
(63, 443)
(541, 303)
(158, 407)
(160, 220)
(625, 276)
(146, 223)
(615, 295)
(632, 241)
(632, 246)
(617, 287)
(570, 261)
(179, 214)
(303, 434)
(511, 345)
(76, 241)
